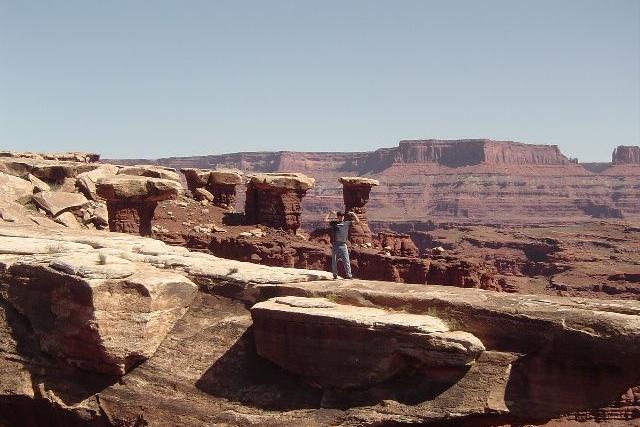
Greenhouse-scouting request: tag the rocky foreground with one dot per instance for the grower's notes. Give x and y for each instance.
(109, 329)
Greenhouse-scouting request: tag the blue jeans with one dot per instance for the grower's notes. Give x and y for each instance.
(340, 250)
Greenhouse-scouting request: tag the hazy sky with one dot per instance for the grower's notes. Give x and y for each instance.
(159, 78)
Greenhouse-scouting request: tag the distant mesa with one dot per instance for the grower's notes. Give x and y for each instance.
(626, 154)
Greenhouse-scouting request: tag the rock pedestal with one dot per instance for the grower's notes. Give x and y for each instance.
(273, 199)
(222, 184)
(132, 200)
(196, 178)
(355, 192)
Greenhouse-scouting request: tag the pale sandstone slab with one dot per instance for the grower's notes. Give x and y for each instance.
(137, 188)
(285, 181)
(55, 202)
(150, 171)
(14, 189)
(86, 181)
(337, 345)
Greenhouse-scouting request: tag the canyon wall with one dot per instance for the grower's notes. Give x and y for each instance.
(475, 179)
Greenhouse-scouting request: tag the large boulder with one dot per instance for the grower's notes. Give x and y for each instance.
(137, 188)
(150, 171)
(86, 181)
(56, 202)
(337, 345)
(14, 189)
(93, 310)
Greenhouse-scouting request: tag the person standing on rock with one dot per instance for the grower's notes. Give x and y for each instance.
(339, 237)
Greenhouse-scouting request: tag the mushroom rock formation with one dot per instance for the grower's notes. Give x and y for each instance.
(342, 346)
(273, 199)
(196, 178)
(150, 171)
(355, 192)
(222, 184)
(132, 200)
(86, 181)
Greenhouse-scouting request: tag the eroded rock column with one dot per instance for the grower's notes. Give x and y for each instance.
(132, 200)
(273, 199)
(196, 178)
(222, 185)
(355, 192)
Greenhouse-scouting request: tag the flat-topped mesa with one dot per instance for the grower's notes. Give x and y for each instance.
(466, 152)
(273, 199)
(132, 200)
(355, 193)
(222, 185)
(626, 155)
(342, 346)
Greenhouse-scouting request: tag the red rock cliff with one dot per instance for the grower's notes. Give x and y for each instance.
(626, 154)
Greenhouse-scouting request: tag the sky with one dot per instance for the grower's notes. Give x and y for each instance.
(150, 79)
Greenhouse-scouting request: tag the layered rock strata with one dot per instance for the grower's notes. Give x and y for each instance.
(131, 201)
(626, 155)
(355, 193)
(275, 199)
(482, 180)
(341, 346)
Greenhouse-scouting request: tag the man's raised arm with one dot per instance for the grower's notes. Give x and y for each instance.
(328, 215)
(355, 217)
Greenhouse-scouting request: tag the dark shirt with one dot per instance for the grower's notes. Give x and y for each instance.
(339, 231)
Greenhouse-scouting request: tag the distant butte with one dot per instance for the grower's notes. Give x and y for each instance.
(472, 179)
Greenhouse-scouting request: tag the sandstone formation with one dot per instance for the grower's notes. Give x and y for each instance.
(626, 154)
(273, 199)
(71, 156)
(222, 184)
(482, 180)
(398, 244)
(535, 358)
(56, 202)
(86, 181)
(355, 193)
(341, 346)
(196, 178)
(131, 201)
(14, 189)
(150, 171)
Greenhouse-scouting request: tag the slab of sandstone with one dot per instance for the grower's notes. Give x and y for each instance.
(14, 189)
(151, 171)
(358, 181)
(225, 177)
(286, 181)
(137, 188)
(337, 345)
(86, 181)
(55, 202)
(94, 311)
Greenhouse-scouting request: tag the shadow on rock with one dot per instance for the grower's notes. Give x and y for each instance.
(50, 378)
(550, 382)
(410, 387)
(243, 376)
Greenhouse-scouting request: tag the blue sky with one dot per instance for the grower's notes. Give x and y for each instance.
(160, 78)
